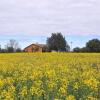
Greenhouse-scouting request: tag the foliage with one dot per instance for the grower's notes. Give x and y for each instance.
(84, 49)
(57, 42)
(93, 45)
(0, 48)
(50, 76)
(77, 49)
(12, 46)
(18, 50)
(45, 48)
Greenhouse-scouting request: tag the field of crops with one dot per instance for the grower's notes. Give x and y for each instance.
(50, 76)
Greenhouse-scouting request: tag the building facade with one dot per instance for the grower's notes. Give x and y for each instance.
(34, 48)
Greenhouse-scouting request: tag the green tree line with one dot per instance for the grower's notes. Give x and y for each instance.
(56, 42)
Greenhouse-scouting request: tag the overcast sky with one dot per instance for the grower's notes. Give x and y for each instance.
(39, 18)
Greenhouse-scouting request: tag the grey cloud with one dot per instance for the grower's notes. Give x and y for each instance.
(47, 16)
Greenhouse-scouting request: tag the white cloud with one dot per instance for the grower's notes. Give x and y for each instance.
(42, 17)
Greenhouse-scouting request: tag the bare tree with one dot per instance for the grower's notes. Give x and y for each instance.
(12, 46)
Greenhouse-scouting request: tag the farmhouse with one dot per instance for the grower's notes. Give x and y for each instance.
(34, 48)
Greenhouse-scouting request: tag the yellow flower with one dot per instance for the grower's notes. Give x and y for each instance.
(91, 98)
(36, 91)
(76, 86)
(24, 91)
(7, 95)
(62, 90)
(1, 83)
(48, 75)
(93, 83)
(9, 80)
(70, 97)
(51, 85)
(11, 89)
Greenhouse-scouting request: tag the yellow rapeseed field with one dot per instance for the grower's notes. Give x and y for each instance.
(50, 76)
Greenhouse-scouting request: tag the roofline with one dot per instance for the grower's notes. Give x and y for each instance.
(32, 44)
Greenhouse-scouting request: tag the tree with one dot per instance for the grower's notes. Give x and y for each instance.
(68, 48)
(0, 48)
(57, 42)
(18, 50)
(84, 49)
(12, 46)
(77, 49)
(3, 51)
(45, 49)
(93, 45)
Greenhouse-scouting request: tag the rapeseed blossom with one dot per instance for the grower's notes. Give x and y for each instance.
(50, 76)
